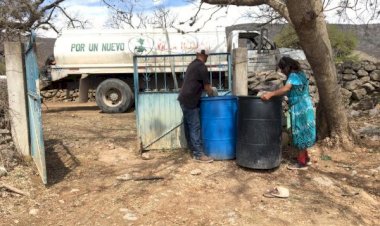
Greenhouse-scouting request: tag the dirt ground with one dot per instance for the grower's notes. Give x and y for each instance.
(87, 151)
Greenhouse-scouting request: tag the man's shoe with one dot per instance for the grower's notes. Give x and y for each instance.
(203, 158)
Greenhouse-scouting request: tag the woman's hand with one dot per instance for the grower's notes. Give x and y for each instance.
(266, 96)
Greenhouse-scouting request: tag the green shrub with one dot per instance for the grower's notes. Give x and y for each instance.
(342, 42)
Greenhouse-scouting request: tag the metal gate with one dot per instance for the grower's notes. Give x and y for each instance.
(34, 109)
(158, 113)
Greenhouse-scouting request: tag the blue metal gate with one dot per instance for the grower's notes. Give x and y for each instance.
(34, 109)
(158, 113)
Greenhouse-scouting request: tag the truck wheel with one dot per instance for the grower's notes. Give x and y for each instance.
(114, 96)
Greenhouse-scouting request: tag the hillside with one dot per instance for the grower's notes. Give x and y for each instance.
(368, 35)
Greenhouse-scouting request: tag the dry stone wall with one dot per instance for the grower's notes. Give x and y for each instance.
(359, 81)
(63, 95)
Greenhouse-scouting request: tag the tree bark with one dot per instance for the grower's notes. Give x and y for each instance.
(308, 21)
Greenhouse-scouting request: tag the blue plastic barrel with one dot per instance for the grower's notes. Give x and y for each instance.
(218, 126)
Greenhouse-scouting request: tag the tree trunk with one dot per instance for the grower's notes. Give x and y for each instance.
(308, 21)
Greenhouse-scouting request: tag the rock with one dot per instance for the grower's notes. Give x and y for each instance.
(275, 76)
(365, 79)
(125, 177)
(111, 146)
(352, 85)
(369, 67)
(345, 93)
(375, 75)
(129, 215)
(362, 73)
(74, 190)
(368, 87)
(354, 113)
(196, 172)
(356, 66)
(373, 112)
(33, 211)
(347, 65)
(324, 181)
(369, 130)
(4, 131)
(146, 156)
(354, 172)
(375, 84)
(373, 171)
(61, 201)
(363, 105)
(358, 94)
(3, 171)
(348, 71)
(349, 77)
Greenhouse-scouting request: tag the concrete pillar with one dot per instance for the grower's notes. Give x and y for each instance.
(240, 75)
(84, 86)
(17, 97)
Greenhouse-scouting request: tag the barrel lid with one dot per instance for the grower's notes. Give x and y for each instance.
(249, 97)
(218, 98)
(257, 97)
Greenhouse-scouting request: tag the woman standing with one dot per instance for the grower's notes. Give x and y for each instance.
(300, 108)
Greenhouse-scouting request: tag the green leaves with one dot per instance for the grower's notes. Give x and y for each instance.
(343, 42)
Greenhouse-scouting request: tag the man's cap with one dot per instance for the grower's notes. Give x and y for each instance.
(202, 51)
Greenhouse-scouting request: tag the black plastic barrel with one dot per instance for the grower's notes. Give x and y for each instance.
(258, 144)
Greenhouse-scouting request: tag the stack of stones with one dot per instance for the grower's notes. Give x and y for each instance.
(360, 83)
(63, 96)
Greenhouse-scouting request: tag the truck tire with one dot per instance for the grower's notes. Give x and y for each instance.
(114, 96)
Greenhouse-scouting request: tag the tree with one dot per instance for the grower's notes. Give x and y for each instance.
(308, 20)
(21, 16)
(342, 42)
(129, 14)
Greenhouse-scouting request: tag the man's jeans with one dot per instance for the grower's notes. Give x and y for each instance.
(192, 125)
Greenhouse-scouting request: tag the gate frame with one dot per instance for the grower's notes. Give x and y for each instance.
(175, 107)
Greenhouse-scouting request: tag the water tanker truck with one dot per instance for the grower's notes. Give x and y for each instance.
(103, 60)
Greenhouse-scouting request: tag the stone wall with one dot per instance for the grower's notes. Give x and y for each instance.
(360, 83)
(63, 96)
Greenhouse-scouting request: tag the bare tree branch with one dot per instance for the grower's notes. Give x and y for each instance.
(18, 17)
(278, 5)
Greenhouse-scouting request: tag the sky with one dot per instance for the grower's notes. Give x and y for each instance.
(97, 14)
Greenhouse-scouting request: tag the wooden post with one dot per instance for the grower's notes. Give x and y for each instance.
(16, 85)
(240, 76)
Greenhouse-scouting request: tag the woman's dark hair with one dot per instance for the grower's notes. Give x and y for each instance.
(289, 62)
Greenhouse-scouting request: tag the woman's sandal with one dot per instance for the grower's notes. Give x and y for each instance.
(277, 192)
(297, 166)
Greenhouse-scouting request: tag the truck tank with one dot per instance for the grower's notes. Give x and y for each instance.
(115, 48)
